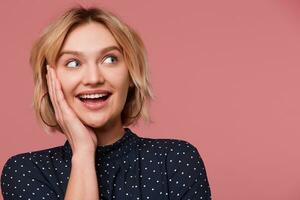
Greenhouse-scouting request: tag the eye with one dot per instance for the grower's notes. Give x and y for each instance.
(110, 59)
(72, 63)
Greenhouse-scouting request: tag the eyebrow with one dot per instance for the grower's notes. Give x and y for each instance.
(102, 51)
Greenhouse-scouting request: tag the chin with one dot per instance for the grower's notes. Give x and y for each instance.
(93, 120)
(96, 123)
(96, 119)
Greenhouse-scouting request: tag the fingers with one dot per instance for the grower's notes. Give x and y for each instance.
(53, 96)
(75, 131)
(64, 113)
(50, 90)
(61, 101)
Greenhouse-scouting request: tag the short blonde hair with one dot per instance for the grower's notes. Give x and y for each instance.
(47, 47)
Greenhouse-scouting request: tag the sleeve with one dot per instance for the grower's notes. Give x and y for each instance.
(187, 177)
(21, 179)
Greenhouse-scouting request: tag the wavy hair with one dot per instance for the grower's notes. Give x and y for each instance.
(46, 49)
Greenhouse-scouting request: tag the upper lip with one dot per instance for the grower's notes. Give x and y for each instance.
(94, 92)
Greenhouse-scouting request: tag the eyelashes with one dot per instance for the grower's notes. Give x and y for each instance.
(109, 59)
(71, 61)
(111, 56)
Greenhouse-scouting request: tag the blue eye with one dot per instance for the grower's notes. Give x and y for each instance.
(72, 61)
(111, 59)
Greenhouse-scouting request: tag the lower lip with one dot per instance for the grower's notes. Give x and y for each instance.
(95, 105)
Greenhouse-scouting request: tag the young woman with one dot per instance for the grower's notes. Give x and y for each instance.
(91, 82)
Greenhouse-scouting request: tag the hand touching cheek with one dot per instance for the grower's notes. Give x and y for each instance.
(81, 138)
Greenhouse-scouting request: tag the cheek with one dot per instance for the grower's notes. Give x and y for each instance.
(66, 84)
(120, 77)
(122, 84)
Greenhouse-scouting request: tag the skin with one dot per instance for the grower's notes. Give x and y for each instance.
(92, 69)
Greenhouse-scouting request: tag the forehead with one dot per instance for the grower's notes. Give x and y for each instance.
(89, 37)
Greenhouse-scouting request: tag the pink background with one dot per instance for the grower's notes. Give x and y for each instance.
(225, 75)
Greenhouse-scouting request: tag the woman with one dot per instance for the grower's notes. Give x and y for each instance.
(91, 82)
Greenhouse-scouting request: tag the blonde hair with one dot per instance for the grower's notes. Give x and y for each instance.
(47, 47)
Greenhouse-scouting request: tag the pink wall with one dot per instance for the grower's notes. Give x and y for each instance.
(225, 74)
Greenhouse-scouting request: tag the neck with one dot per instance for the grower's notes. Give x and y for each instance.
(110, 133)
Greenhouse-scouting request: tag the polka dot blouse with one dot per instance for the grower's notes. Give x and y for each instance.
(133, 168)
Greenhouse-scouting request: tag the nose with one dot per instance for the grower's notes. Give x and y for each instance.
(92, 75)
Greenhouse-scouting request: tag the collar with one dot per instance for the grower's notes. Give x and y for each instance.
(112, 151)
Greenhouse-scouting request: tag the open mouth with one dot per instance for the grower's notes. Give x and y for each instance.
(94, 102)
(95, 99)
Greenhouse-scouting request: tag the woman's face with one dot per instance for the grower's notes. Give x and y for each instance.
(91, 59)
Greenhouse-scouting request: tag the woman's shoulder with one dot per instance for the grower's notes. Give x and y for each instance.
(28, 171)
(170, 149)
(37, 153)
(168, 145)
(174, 151)
(31, 159)
(184, 166)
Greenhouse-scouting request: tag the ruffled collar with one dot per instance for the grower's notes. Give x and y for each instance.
(113, 151)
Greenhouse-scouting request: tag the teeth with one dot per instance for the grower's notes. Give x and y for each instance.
(92, 96)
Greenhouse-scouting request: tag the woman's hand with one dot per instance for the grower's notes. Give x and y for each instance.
(82, 139)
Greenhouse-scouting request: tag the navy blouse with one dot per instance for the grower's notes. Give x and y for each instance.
(133, 168)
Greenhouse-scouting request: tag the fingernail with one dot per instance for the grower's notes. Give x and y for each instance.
(47, 67)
